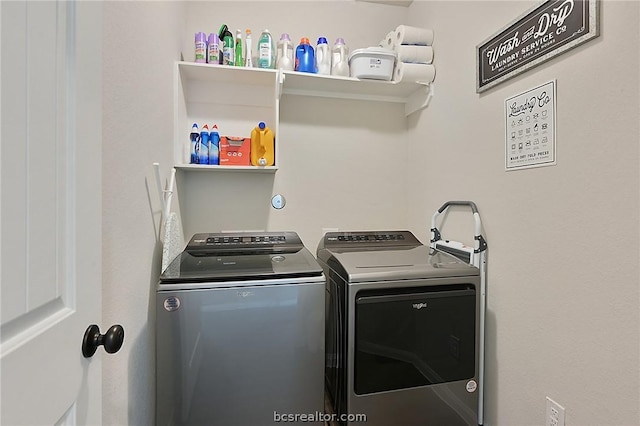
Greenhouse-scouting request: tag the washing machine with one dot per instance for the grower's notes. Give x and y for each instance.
(402, 331)
(240, 331)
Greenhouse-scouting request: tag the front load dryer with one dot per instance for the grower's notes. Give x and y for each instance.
(402, 331)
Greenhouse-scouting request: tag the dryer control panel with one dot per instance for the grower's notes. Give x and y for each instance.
(366, 239)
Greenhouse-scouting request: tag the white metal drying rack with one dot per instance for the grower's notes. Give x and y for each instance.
(165, 194)
(478, 258)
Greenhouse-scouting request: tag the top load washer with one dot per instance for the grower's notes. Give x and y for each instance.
(240, 331)
(402, 330)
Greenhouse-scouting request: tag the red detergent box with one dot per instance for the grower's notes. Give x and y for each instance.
(235, 151)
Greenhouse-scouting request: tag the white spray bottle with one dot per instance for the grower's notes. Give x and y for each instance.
(248, 60)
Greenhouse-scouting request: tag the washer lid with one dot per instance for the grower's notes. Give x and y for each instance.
(241, 256)
(211, 268)
(393, 264)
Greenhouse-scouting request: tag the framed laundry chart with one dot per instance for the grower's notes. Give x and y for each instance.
(530, 128)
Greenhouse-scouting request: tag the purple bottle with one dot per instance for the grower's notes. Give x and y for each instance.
(201, 47)
(213, 49)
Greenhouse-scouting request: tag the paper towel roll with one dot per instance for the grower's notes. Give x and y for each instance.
(420, 73)
(414, 54)
(390, 40)
(413, 35)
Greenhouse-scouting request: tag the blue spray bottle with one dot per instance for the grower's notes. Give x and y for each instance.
(214, 146)
(194, 142)
(204, 145)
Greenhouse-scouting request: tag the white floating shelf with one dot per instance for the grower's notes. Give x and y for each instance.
(227, 74)
(306, 84)
(217, 168)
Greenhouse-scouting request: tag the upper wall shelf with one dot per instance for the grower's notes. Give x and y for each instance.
(415, 96)
(226, 74)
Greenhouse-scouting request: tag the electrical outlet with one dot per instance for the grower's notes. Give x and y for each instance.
(555, 413)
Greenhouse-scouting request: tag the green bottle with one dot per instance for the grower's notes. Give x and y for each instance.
(226, 38)
(239, 59)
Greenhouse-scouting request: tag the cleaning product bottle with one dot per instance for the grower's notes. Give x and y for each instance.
(213, 49)
(305, 58)
(204, 145)
(214, 146)
(266, 51)
(227, 45)
(284, 58)
(239, 57)
(194, 142)
(201, 47)
(262, 146)
(340, 58)
(248, 51)
(323, 57)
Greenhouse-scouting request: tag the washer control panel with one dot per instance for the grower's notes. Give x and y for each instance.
(244, 242)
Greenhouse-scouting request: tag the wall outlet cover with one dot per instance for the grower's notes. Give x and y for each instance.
(555, 413)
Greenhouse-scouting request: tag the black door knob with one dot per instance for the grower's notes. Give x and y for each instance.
(112, 340)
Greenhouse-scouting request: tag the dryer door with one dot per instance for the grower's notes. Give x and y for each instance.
(413, 337)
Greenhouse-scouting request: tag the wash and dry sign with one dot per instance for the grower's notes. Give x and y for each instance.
(540, 34)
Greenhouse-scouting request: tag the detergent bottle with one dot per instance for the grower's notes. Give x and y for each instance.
(284, 59)
(214, 146)
(323, 57)
(194, 144)
(204, 145)
(340, 58)
(305, 58)
(266, 51)
(262, 146)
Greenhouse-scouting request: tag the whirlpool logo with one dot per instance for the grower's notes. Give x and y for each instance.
(419, 305)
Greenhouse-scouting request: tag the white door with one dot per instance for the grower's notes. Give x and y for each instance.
(50, 215)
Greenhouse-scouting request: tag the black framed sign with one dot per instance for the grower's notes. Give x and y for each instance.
(538, 35)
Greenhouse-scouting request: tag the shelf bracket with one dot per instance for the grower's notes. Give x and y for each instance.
(281, 77)
(419, 99)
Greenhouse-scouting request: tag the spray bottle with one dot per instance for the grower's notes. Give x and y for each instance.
(226, 38)
(239, 59)
(201, 47)
(248, 60)
(213, 49)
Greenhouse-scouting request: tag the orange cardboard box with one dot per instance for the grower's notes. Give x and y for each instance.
(235, 151)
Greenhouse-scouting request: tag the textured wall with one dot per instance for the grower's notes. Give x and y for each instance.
(563, 317)
(563, 261)
(141, 42)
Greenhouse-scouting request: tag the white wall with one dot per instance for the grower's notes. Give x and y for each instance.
(141, 42)
(563, 317)
(563, 266)
(340, 160)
